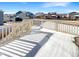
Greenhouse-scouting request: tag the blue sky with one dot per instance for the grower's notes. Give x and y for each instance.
(59, 7)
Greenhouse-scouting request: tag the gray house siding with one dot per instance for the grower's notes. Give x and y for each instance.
(1, 17)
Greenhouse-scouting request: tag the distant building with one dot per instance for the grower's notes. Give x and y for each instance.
(62, 16)
(51, 15)
(39, 15)
(1, 17)
(7, 17)
(74, 15)
(21, 15)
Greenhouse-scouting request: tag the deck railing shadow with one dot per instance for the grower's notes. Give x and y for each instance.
(33, 52)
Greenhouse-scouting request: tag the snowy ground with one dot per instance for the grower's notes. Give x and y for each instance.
(59, 45)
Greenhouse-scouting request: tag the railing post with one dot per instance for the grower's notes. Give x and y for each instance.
(64, 27)
(78, 30)
(69, 28)
(73, 30)
(56, 27)
(2, 32)
(61, 27)
(6, 31)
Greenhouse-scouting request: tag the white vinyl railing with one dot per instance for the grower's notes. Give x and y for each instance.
(15, 30)
(64, 26)
(4, 31)
(68, 28)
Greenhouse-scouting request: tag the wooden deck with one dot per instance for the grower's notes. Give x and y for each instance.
(16, 42)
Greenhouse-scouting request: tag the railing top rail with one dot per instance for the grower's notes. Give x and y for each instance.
(68, 22)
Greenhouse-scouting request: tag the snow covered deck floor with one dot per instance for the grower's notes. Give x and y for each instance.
(59, 45)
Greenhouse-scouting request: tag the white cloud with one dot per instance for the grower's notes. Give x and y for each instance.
(51, 4)
(70, 10)
(9, 12)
